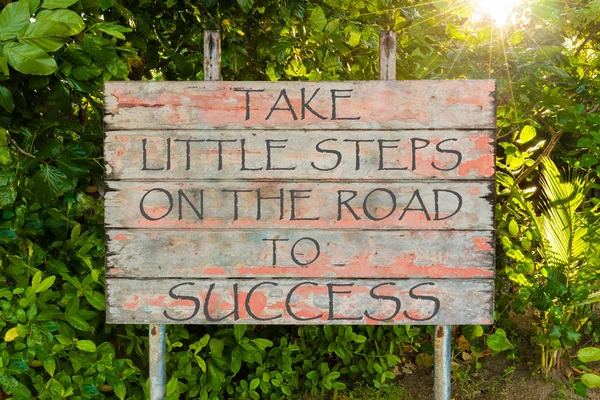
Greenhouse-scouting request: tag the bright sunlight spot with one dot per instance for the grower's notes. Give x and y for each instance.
(498, 10)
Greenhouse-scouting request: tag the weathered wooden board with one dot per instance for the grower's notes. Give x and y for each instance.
(310, 301)
(346, 205)
(465, 104)
(138, 253)
(319, 155)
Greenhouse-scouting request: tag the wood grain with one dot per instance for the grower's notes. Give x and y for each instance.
(195, 155)
(370, 205)
(461, 302)
(223, 105)
(249, 254)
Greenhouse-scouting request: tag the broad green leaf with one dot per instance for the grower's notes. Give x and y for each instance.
(66, 22)
(236, 360)
(589, 354)
(513, 228)
(318, 22)
(37, 278)
(33, 5)
(238, 332)
(498, 341)
(45, 284)
(591, 381)
(216, 347)
(51, 4)
(120, 389)
(13, 18)
(527, 133)
(472, 331)
(352, 36)
(114, 29)
(83, 73)
(86, 345)
(172, 390)
(245, 5)
(78, 323)
(18, 367)
(53, 180)
(41, 39)
(588, 160)
(4, 65)
(29, 59)
(6, 99)
(262, 343)
(8, 236)
(96, 299)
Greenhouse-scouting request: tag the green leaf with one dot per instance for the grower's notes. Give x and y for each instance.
(513, 228)
(45, 34)
(37, 278)
(238, 332)
(51, 4)
(589, 354)
(114, 29)
(472, 331)
(119, 388)
(172, 388)
(317, 19)
(29, 59)
(6, 99)
(46, 283)
(245, 5)
(352, 36)
(498, 341)
(236, 360)
(96, 299)
(33, 5)
(591, 381)
(49, 182)
(66, 22)
(86, 345)
(527, 133)
(216, 347)
(13, 18)
(18, 367)
(78, 323)
(588, 160)
(262, 343)
(83, 73)
(4, 65)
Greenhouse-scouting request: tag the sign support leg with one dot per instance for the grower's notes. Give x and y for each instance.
(158, 364)
(442, 362)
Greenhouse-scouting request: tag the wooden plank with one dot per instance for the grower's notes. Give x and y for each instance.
(319, 155)
(278, 105)
(387, 55)
(212, 55)
(141, 253)
(173, 301)
(345, 205)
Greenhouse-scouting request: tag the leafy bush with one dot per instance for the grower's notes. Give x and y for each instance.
(54, 57)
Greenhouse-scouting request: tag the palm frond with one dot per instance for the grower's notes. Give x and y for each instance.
(563, 229)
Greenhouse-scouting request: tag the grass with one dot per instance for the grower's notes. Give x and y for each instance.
(361, 391)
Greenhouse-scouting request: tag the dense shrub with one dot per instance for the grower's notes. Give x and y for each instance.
(54, 57)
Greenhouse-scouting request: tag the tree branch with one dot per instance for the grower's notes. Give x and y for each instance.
(14, 143)
(589, 37)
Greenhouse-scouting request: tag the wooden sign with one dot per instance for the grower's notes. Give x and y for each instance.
(307, 202)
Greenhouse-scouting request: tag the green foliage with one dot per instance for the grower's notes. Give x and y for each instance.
(55, 56)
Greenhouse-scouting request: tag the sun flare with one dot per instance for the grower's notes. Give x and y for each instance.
(498, 10)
